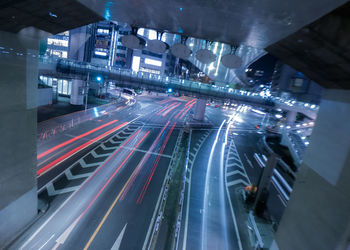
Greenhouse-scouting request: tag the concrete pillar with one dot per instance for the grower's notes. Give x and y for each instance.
(77, 93)
(18, 126)
(199, 111)
(291, 117)
(318, 213)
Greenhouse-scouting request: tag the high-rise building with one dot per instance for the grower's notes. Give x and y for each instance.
(58, 45)
(289, 83)
(155, 63)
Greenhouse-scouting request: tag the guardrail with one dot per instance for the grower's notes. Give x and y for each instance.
(258, 243)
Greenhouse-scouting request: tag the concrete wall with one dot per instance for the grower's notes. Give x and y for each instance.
(44, 96)
(18, 89)
(318, 213)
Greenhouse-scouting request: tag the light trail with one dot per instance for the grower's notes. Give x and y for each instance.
(143, 161)
(77, 149)
(145, 187)
(188, 109)
(104, 186)
(76, 192)
(186, 106)
(166, 112)
(74, 139)
(206, 191)
(166, 108)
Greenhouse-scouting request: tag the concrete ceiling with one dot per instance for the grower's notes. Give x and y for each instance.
(321, 50)
(52, 16)
(256, 23)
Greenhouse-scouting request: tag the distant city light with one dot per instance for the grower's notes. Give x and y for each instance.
(135, 63)
(99, 78)
(278, 116)
(170, 90)
(103, 31)
(258, 111)
(152, 34)
(153, 62)
(100, 53)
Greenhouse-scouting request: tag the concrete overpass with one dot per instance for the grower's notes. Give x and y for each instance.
(126, 78)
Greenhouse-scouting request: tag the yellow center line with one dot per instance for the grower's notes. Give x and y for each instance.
(107, 214)
(110, 209)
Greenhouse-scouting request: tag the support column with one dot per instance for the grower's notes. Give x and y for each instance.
(77, 93)
(18, 126)
(291, 117)
(199, 111)
(318, 213)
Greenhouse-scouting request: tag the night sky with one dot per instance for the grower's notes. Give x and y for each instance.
(265, 63)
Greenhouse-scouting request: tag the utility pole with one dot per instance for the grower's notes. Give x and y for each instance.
(265, 180)
(87, 90)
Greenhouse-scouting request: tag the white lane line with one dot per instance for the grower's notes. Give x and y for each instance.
(234, 172)
(83, 164)
(231, 207)
(46, 242)
(235, 182)
(249, 161)
(203, 138)
(206, 190)
(118, 241)
(52, 191)
(70, 176)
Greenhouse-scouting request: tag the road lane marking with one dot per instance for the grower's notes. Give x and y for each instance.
(117, 243)
(249, 162)
(206, 190)
(150, 232)
(72, 195)
(235, 182)
(74, 139)
(69, 154)
(194, 155)
(150, 176)
(118, 196)
(46, 242)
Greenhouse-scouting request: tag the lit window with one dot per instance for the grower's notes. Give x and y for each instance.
(153, 62)
(103, 31)
(141, 31)
(100, 53)
(57, 42)
(135, 63)
(152, 34)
